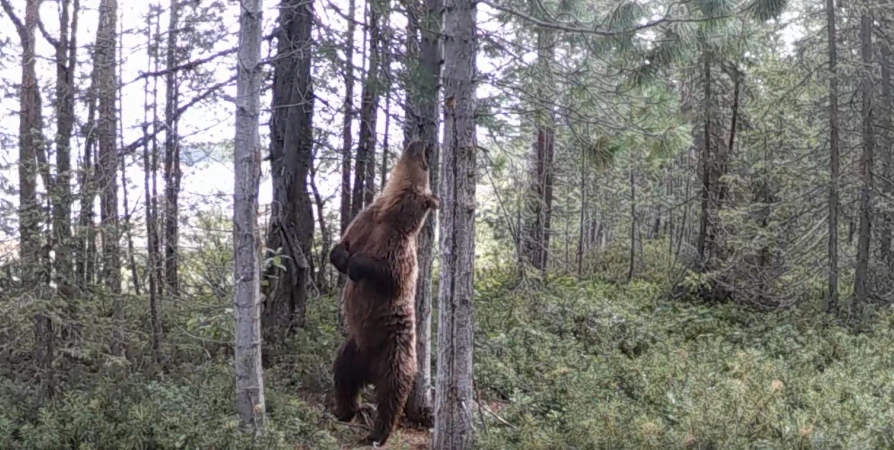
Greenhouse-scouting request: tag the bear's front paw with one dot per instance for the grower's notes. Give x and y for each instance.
(355, 269)
(434, 202)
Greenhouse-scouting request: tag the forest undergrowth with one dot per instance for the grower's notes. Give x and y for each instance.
(591, 364)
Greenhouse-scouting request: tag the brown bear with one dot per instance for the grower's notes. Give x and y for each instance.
(378, 253)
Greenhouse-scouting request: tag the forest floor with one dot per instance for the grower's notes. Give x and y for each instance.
(573, 365)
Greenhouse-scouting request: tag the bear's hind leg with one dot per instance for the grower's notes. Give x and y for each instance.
(350, 376)
(393, 385)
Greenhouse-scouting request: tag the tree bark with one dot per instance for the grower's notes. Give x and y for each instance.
(364, 173)
(172, 172)
(325, 236)
(128, 231)
(834, 158)
(105, 64)
(886, 156)
(543, 149)
(347, 135)
(66, 65)
(707, 169)
(861, 294)
(632, 226)
(453, 402)
(291, 129)
(384, 167)
(423, 106)
(31, 141)
(246, 273)
(582, 234)
(151, 212)
(85, 266)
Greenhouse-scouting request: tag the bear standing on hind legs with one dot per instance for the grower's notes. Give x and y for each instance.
(378, 253)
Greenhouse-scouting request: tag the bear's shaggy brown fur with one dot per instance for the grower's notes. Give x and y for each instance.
(378, 253)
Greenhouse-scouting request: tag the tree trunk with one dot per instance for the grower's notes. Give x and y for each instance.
(384, 167)
(544, 148)
(159, 239)
(172, 160)
(707, 169)
(325, 237)
(31, 141)
(105, 64)
(151, 211)
(346, 135)
(453, 402)
(246, 273)
(632, 226)
(66, 65)
(861, 293)
(887, 167)
(128, 232)
(834, 158)
(424, 109)
(582, 235)
(291, 129)
(364, 173)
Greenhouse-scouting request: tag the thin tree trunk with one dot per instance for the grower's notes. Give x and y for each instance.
(128, 232)
(66, 65)
(425, 111)
(105, 64)
(247, 158)
(151, 218)
(347, 136)
(887, 166)
(291, 129)
(364, 174)
(85, 264)
(30, 142)
(157, 248)
(632, 226)
(861, 294)
(583, 214)
(325, 237)
(453, 402)
(172, 160)
(707, 167)
(834, 159)
(384, 168)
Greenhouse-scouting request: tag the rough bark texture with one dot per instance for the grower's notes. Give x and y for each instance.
(291, 222)
(861, 293)
(85, 264)
(346, 135)
(541, 196)
(322, 279)
(886, 143)
(246, 276)
(707, 167)
(152, 259)
(834, 158)
(630, 267)
(30, 144)
(364, 172)
(66, 64)
(105, 63)
(172, 160)
(423, 107)
(454, 394)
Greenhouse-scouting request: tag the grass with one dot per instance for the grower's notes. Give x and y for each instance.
(589, 365)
